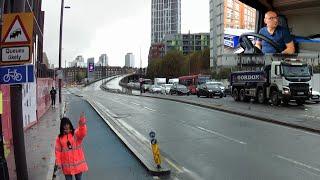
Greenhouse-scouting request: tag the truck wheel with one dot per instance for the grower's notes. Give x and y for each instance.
(275, 98)
(300, 101)
(261, 97)
(235, 94)
(198, 94)
(242, 95)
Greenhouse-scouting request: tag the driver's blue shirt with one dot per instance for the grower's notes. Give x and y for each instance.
(280, 36)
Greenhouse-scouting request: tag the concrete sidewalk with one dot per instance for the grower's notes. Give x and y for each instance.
(40, 142)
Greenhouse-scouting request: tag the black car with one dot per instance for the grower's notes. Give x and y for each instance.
(209, 90)
(179, 90)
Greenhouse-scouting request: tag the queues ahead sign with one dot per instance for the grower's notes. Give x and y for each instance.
(11, 54)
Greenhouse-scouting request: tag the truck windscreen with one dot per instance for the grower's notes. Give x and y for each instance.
(295, 71)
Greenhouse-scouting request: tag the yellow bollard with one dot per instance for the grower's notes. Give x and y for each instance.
(155, 149)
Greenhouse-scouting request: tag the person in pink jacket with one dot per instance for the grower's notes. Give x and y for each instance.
(69, 151)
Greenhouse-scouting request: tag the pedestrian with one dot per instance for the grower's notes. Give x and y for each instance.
(69, 151)
(53, 93)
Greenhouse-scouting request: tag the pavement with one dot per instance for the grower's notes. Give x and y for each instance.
(40, 142)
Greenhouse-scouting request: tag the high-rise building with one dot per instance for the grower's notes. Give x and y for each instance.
(129, 60)
(165, 19)
(78, 62)
(238, 15)
(103, 60)
(231, 15)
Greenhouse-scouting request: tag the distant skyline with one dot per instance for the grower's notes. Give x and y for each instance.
(112, 27)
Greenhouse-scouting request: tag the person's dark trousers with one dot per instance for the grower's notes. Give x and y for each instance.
(78, 176)
(53, 101)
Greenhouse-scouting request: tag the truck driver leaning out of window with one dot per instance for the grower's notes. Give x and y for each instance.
(277, 34)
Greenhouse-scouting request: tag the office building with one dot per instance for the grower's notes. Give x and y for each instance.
(103, 60)
(129, 60)
(165, 19)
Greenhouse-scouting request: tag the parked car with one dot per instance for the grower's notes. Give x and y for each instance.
(146, 87)
(166, 88)
(155, 89)
(220, 84)
(179, 89)
(315, 96)
(209, 90)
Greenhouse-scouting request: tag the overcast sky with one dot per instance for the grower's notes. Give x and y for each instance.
(112, 27)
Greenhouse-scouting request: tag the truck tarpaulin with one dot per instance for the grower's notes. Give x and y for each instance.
(248, 76)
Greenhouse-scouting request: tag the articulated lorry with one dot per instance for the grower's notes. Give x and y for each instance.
(285, 80)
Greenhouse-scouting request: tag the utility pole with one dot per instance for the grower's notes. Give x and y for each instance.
(60, 45)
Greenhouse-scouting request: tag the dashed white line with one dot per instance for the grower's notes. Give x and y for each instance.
(135, 103)
(221, 135)
(300, 164)
(149, 109)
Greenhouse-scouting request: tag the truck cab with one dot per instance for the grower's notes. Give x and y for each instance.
(299, 17)
(289, 80)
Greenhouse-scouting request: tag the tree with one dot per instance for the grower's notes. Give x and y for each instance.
(153, 68)
(80, 76)
(223, 73)
(173, 64)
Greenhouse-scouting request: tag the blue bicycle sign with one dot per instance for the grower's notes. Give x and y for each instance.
(16, 74)
(12, 75)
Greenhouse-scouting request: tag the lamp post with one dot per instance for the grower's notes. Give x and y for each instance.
(60, 43)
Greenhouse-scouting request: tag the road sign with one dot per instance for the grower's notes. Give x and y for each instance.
(16, 38)
(59, 74)
(11, 54)
(16, 74)
(16, 34)
(91, 67)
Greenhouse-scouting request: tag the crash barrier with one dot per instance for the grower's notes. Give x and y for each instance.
(155, 149)
(94, 81)
(44, 86)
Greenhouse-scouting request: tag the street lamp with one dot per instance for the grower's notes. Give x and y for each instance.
(60, 43)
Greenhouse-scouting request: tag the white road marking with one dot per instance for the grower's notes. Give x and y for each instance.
(221, 135)
(155, 177)
(135, 103)
(300, 164)
(174, 166)
(149, 109)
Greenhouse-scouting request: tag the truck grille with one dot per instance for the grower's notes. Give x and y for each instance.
(299, 89)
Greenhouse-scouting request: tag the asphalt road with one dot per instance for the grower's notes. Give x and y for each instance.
(307, 115)
(201, 143)
(106, 155)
